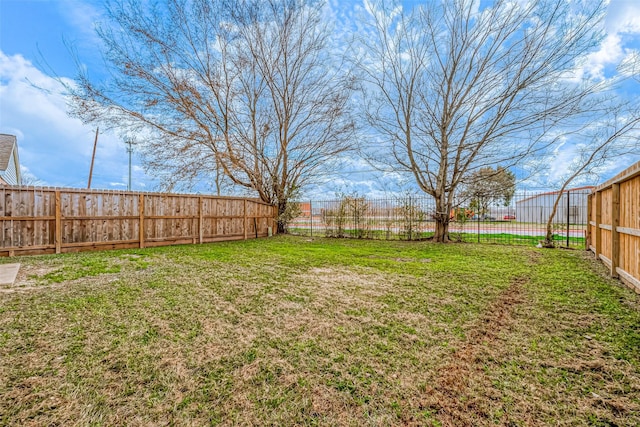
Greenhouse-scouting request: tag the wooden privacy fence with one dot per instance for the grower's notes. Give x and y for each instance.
(614, 225)
(38, 220)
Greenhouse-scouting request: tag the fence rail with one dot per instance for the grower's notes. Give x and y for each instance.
(614, 225)
(38, 220)
(522, 221)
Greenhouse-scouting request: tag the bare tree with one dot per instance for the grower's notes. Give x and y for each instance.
(453, 89)
(602, 141)
(28, 179)
(197, 170)
(248, 87)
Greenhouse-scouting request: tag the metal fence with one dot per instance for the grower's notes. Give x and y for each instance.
(522, 221)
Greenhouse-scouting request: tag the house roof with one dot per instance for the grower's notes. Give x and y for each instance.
(7, 144)
(535, 196)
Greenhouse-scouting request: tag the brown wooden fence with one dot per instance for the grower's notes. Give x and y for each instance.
(614, 225)
(38, 220)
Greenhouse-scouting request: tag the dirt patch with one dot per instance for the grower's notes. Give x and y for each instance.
(31, 283)
(455, 396)
(533, 257)
(28, 274)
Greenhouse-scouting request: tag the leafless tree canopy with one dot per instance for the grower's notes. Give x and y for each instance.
(249, 88)
(453, 89)
(610, 137)
(250, 93)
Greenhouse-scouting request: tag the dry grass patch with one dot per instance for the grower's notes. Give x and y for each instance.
(323, 332)
(461, 393)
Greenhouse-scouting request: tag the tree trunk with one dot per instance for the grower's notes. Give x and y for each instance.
(282, 217)
(442, 220)
(548, 238)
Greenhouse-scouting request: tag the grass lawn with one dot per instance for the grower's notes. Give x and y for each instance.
(457, 236)
(299, 331)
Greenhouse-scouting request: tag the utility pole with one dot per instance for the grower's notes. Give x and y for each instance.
(93, 157)
(130, 151)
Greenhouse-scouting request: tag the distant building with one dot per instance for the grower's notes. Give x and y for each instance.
(537, 208)
(305, 209)
(9, 161)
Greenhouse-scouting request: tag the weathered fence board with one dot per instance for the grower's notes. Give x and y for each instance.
(38, 220)
(615, 225)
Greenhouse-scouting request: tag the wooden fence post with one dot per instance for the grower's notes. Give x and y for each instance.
(615, 235)
(245, 219)
(598, 222)
(141, 224)
(58, 226)
(275, 219)
(200, 218)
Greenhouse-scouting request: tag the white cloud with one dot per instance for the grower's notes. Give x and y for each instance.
(623, 16)
(53, 146)
(549, 172)
(611, 53)
(622, 25)
(83, 16)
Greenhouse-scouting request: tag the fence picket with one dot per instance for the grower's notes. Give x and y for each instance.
(38, 220)
(616, 226)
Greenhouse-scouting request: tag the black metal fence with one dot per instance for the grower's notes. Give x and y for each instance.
(522, 221)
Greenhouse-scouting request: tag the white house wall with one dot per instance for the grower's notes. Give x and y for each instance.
(11, 175)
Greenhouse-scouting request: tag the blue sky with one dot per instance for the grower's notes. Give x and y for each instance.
(35, 37)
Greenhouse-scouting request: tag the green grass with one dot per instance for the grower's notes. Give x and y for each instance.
(469, 237)
(300, 331)
(517, 239)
